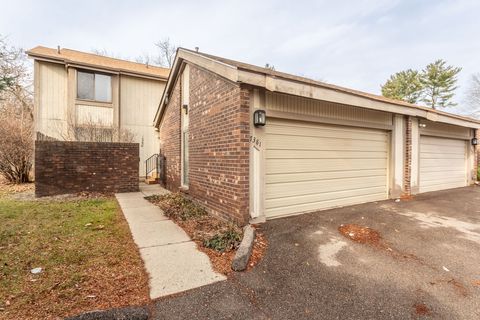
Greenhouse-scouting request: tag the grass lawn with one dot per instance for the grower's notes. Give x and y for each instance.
(84, 247)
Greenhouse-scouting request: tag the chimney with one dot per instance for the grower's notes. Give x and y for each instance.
(58, 49)
(196, 49)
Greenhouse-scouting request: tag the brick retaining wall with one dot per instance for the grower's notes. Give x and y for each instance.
(68, 167)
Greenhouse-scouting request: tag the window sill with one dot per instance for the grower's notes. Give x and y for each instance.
(94, 103)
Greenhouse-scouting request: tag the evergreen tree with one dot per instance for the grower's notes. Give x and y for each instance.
(439, 83)
(403, 85)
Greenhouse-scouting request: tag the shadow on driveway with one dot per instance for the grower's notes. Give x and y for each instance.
(428, 268)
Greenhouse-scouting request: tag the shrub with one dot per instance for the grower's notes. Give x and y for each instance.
(178, 207)
(226, 240)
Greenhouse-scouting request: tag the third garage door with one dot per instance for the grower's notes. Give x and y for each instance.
(442, 163)
(313, 166)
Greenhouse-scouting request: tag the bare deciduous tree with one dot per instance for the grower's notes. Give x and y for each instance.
(91, 130)
(167, 51)
(16, 114)
(473, 93)
(16, 142)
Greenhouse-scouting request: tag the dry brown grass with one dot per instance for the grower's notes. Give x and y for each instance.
(88, 257)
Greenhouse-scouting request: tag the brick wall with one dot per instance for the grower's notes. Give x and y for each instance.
(218, 143)
(407, 172)
(170, 135)
(69, 167)
(476, 155)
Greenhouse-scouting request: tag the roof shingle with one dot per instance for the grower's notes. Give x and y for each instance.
(69, 56)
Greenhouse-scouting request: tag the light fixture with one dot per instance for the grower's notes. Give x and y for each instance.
(185, 107)
(474, 141)
(422, 125)
(259, 118)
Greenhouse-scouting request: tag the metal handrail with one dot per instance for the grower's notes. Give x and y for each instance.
(151, 164)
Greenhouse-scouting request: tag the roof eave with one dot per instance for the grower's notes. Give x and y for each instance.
(73, 63)
(277, 83)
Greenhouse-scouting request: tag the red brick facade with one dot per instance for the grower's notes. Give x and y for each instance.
(70, 166)
(407, 172)
(170, 139)
(218, 143)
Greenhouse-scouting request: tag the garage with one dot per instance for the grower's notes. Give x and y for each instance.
(443, 163)
(312, 166)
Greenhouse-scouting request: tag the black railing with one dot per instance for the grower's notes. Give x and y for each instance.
(151, 164)
(156, 162)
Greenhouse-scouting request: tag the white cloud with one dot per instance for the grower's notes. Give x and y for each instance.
(352, 43)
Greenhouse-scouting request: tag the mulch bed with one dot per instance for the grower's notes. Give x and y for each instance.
(201, 227)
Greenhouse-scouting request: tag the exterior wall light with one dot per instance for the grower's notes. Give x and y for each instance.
(474, 141)
(422, 125)
(259, 118)
(185, 107)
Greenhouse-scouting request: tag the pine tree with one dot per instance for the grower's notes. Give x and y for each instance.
(439, 83)
(403, 85)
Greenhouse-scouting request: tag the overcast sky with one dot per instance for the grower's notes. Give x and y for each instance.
(356, 43)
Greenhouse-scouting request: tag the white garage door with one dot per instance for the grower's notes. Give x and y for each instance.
(442, 163)
(313, 166)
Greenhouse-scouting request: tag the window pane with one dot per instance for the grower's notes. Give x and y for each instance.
(103, 88)
(85, 85)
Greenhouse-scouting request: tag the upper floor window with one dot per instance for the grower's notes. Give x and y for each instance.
(94, 86)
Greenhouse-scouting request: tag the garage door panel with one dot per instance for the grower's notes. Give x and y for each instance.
(312, 176)
(442, 163)
(455, 156)
(296, 188)
(435, 149)
(434, 175)
(324, 154)
(442, 186)
(327, 133)
(319, 197)
(285, 142)
(311, 166)
(432, 163)
(336, 202)
(441, 142)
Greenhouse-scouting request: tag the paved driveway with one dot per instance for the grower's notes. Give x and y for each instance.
(427, 265)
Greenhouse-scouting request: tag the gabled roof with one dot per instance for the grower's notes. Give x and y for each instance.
(73, 57)
(281, 82)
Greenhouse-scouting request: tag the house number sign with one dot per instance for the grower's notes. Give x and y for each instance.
(255, 141)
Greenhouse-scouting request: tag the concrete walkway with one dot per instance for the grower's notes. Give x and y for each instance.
(171, 258)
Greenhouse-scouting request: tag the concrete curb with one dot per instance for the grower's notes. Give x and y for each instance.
(128, 313)
(242, 256)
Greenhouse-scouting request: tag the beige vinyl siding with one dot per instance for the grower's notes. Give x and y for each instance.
(442, 163)
(315, 166)
(93, 115)
(325, 110)
(139, 100)
(51, 99)
(444, 130)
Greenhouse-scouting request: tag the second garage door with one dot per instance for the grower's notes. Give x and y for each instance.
(313, 166)
(442, 163)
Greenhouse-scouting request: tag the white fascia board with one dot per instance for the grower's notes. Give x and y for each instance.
(321, 93)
